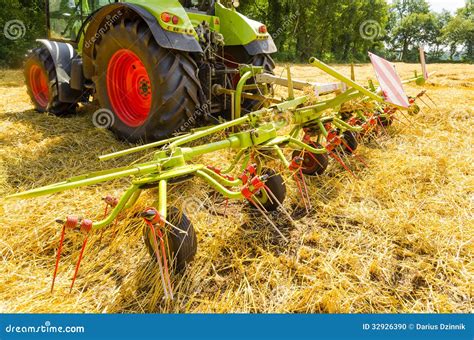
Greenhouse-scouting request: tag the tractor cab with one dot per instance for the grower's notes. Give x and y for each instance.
(206, 6)
(66, 17)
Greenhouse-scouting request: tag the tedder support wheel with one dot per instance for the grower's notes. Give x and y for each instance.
(182, 247)
(350, 141)
(276, 185)
(152, 92)
(42, 84)
(383, 120)
(313, 164)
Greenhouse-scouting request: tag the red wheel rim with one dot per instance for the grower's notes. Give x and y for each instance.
(39, 86)
(129, 88)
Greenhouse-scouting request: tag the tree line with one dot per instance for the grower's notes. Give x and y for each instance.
(344, 30)
(332, 30)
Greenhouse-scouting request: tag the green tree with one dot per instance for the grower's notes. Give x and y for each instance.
(436, 39)
(459, 31)
(411, 25)
(21, 23)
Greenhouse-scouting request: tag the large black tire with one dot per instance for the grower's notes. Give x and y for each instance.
(277, 186)
(40, 64)
(182, 247)
(173, 84)
(240, 55)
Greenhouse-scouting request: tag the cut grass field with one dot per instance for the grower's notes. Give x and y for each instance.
(398, 239)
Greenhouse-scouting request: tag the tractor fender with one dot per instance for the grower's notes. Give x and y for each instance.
(261, 47)
(63, 55)
(239, 30)
(104, 18)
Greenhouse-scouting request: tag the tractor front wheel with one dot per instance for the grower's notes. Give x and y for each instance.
(42, 84)
(152, 92)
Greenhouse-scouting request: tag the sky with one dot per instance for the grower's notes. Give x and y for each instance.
(450, 5)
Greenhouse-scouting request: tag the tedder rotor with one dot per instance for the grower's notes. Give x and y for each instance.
(302, 133)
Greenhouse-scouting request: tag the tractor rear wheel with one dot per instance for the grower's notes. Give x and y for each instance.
(152, 92)
(182, 247)
(42, 84)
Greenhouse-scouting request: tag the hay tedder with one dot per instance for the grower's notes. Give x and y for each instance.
(177, 74)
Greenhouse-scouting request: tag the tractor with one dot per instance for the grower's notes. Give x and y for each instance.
(157, 67)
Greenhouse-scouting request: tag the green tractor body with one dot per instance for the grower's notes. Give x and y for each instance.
(153, 65)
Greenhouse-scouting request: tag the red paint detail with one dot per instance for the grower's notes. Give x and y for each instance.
(111, 201)
(163, 251)
(390, 81)
(71, 222)
(230, 62)
(354, 121)
(257, 183)
(249, 172)
(333, 155)
(296, 163)
(247, 193)
(78, 263)
(86, 226)
(129, 88)
(215, 169)
(158, 219)
(39, 86)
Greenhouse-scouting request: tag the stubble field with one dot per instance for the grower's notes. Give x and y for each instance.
(398, 239)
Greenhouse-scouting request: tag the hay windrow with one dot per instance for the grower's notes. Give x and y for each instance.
(400, 239)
